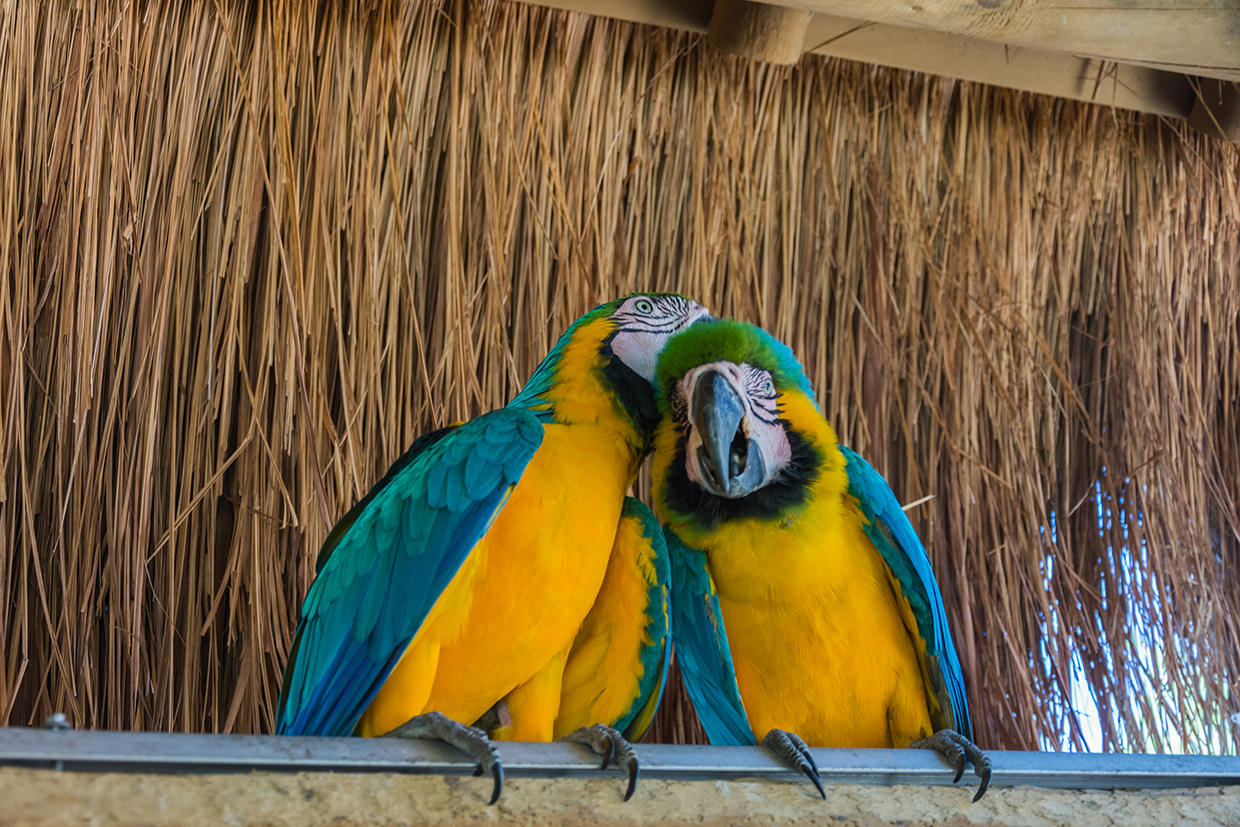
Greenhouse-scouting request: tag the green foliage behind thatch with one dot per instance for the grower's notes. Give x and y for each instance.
(245, 260)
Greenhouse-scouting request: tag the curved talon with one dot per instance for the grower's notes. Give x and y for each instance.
(958, 749)
(610, 744)
(469, 740)
(498, 772)
(812, 775)
(982, 768)
(806, 754)
(634, 769)
(794, 752)
(610, 753)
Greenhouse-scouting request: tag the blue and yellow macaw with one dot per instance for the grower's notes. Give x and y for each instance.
(464, 575)
(803, 601)
(617, 666)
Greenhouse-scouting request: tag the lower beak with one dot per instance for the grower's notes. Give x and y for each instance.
(730, 463)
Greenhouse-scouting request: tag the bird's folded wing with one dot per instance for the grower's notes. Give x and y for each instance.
(893, 535)
(656, 651)
(702, 648)
(388, 560)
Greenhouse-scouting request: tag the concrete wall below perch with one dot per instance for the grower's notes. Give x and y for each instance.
(35, 798)
(115, 779)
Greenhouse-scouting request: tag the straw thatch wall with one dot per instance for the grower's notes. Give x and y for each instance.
(249, 253)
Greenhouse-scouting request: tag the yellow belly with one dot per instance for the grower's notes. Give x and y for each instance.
(524, 590)
(817, 639)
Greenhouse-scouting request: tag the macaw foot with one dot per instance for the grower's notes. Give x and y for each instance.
(469, 740)
(793, 752)
(957, 749)
(610, 744)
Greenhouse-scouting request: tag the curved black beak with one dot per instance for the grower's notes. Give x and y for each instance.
(730, 463)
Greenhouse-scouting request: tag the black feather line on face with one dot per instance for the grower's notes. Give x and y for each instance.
(789, 490)
(636, 395)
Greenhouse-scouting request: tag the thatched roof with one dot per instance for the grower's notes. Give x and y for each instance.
(244, 261)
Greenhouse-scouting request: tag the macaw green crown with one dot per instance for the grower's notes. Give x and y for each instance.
(727, 340)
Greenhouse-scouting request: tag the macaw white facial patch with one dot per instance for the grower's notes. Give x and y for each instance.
(645, 322)
(639, 350)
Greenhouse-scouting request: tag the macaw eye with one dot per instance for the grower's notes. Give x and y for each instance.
(644, 306)
(768, 387)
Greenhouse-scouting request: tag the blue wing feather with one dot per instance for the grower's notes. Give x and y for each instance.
(655, 655)
(637, 720)
(892, 534)
(387, 561)
(342, 526)
(702, 648)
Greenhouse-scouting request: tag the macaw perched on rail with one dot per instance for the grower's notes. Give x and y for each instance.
(617, 667)
(463, 577)
(803, 601)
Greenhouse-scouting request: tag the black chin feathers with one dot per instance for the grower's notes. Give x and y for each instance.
(787, 491)
(635, 393)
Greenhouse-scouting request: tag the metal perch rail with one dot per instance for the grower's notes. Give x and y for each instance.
(96, 751)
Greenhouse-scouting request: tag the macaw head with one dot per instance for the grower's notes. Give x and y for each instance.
(643, 324)
(604, 363)
(725, 385)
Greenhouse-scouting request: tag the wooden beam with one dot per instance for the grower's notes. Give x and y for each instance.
(758, 31)
(1216, 111)
(1029, 70)
(1046, 72)
(1196, 37)
(686, 15)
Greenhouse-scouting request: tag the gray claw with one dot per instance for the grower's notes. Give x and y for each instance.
(958, 749)
(795, 753)
(608, 743)
(472, 741)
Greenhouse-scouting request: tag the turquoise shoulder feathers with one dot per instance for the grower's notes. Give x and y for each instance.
(343, 525)
(398, 549)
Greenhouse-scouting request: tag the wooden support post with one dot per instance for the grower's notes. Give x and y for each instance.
(758, 31)
(1216, 111)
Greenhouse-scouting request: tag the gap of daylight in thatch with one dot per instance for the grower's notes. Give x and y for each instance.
(245, 259)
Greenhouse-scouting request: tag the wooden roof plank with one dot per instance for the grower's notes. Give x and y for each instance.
(951, 54)
(1196, 37)
(1030, 70)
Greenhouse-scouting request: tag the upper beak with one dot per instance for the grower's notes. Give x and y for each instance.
(731, 464)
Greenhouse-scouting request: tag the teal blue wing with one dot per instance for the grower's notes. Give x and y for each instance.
(702, 648)
(387, 561)
(656, 654)
(343, 525)
(893, 535)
